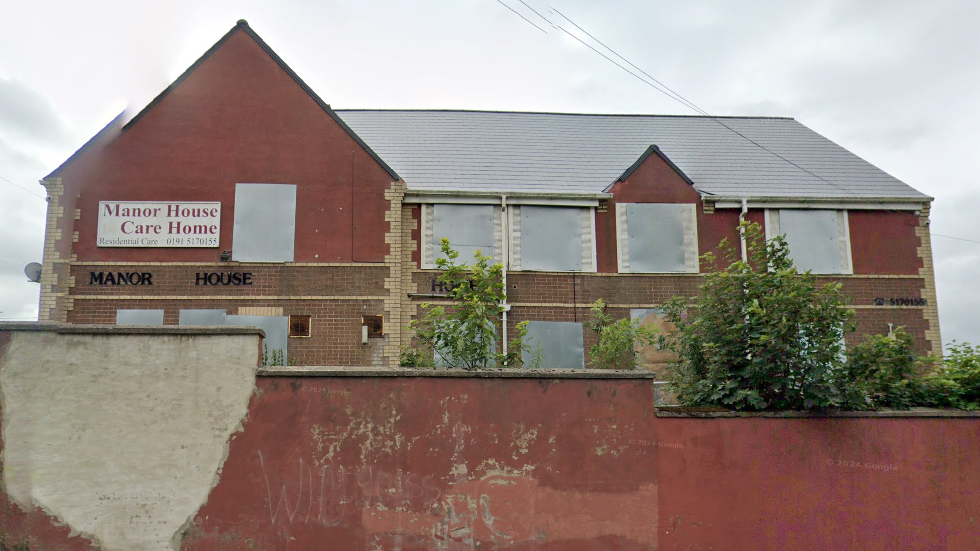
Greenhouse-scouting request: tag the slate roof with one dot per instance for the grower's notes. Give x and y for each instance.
(490, 151)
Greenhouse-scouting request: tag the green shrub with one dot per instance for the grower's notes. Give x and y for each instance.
(464, 335)
(955, 383)
(760, 334)
(616, 345)
(883, 371)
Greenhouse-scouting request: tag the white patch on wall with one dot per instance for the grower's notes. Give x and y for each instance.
(121, 437)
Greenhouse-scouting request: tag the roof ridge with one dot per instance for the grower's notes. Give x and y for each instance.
(566, 114)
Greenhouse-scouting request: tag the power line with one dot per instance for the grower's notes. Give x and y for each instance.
(521, 16)
(682, 100)
(23, 188)
(536, 12)
(667, 91)
(956, 238)
(671, 94)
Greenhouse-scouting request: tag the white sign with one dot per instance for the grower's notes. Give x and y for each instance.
(159, 224)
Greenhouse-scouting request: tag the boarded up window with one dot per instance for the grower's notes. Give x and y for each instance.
(657, 238)
(139, 317)
(468, 227)
(300, 325)
(276, 332)
(550, 239)
(558, 345)
(818, 239)
(375, 325)
(265, 223)
(202, 317)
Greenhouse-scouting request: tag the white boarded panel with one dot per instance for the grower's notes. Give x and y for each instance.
(276, 331)
(195, 316)
(139, 317)
(551, 239)
(468, 227)
(559, 344)
(661, 238)
(814, 240)
(265, 223)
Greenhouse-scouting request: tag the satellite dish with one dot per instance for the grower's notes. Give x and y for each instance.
(33, 272)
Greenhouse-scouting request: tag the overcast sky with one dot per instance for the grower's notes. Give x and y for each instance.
(897, 82)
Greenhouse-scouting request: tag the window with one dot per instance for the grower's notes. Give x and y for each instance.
(300, 325)
(657, 238)
(202, 317)
(375, 326)
(554, 345)
(818, 240)
(554, 239)
(265, 223)
(139, 317)
(468, 227)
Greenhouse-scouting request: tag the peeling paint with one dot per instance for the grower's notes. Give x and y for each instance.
(124, 440)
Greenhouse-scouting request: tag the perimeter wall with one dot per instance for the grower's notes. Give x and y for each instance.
(348, 459)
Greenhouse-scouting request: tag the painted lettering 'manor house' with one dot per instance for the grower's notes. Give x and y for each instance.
(239, 197)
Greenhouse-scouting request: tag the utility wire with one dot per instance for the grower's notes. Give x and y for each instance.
(536, 12)
(685, 102)
(667, 91)
(956, 238)
(521, 16)
(671, 93)
(22, 188)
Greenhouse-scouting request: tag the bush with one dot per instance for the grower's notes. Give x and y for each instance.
(883, 371)
(616, 346)
(464, 336)
(955, 383)
(760, 335)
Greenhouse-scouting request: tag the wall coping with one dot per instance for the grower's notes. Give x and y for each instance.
(719, 413)
(358, 371)
(72, 329)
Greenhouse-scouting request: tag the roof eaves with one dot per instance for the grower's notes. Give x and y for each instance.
(114, 124)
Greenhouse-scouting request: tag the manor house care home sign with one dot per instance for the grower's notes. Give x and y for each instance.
(159, 224)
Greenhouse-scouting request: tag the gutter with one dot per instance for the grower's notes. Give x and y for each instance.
(838, 203)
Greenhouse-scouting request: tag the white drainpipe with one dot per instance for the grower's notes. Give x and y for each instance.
(504, 255)
(741, 232)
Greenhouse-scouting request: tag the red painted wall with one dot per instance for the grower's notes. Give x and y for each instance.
(868, 484)
(448, 463)
(431, 463)
(884, 242)
(360, 463)
(238, 118)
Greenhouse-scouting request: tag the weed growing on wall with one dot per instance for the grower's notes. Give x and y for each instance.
(883, 371)
(464, 335)
(760, 334)
(617, 340)
(955, 383)
(273, 359)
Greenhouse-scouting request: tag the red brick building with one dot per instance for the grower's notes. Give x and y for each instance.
(239, 197)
